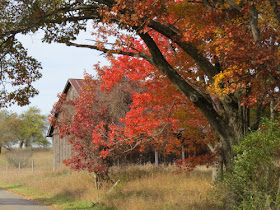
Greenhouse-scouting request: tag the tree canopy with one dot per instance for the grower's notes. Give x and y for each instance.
(18, 69)
(27, 129)
(222, 55)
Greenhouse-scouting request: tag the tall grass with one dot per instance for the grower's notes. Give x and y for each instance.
(140, 187)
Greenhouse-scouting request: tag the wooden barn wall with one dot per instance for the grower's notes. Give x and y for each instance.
(62, 150)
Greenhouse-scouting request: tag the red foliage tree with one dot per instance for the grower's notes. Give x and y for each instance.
(232, 46)
(158, 111)
(88, 122)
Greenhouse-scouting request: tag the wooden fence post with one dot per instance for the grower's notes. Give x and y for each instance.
(33, 166)
(19, 167)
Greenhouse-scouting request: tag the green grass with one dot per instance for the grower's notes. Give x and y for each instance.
(61, 201)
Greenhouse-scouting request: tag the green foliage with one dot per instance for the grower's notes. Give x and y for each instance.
(33, 127)
(26, 129)
(253, 182)
(9, 124)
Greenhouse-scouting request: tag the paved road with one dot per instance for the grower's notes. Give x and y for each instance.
(9, 201)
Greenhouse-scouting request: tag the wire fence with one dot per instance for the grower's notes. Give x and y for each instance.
(19, 162)
(19, 166)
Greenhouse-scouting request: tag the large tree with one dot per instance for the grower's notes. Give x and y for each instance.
(33, 128)
(225, 53)
(18, 70)
(160, 117)
(9, 122)
(88, 121)
(26, 129)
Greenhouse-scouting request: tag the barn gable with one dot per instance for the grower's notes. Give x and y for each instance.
(61, 148)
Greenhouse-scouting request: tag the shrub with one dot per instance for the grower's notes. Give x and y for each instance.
(253, 182)
(16, 156)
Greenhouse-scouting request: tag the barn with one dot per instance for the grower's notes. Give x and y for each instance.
(61, 148)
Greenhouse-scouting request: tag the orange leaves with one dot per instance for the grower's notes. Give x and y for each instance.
(224, 33)
(134, 13)
(204, 41)
(158, 109)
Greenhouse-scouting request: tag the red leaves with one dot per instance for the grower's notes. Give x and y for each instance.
(154, 109)
(191, 162)
(157, 111)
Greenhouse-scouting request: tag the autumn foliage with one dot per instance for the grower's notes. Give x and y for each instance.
(194, 63)
(124, 112)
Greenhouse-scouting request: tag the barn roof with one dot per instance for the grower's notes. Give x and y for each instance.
(77, 85)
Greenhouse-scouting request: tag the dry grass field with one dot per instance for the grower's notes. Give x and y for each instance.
(141, 187)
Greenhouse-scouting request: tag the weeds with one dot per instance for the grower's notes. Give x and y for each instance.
(141, 187)
(16, 157)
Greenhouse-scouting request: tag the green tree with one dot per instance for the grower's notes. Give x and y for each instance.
(253, 182)
(33, 128)
(9, 125)
(26, 129)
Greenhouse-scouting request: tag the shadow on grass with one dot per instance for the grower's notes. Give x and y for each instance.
(95, 207)
(66, 200)
(202, 207)
(152, 195)
(59, 199)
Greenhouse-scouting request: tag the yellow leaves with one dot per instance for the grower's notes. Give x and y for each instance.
(226, 4)
(267, 15)
(238, 1)
(184, 9)
(225, 82)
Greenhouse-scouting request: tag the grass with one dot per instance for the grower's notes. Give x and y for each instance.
(141, 187)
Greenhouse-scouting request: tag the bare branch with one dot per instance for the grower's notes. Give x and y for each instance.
(119, 52)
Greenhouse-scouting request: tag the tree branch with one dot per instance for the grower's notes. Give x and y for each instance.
(173, 34)
(105, 50)
(199, 100)
(254, 23)
(33, 24)
(275, 9)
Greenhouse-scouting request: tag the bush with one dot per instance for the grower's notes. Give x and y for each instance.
(253, 182)
(16, 156)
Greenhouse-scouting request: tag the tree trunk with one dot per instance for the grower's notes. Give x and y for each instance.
(27, 144)
(218, 170)
(272, 110)
(156, 158)
(236, 127)
(183, 155)
(21, 144)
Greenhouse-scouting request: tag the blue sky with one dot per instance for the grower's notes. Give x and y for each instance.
(59, 63)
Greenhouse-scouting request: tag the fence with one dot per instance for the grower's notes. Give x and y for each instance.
(19, 166)
(37, 161)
